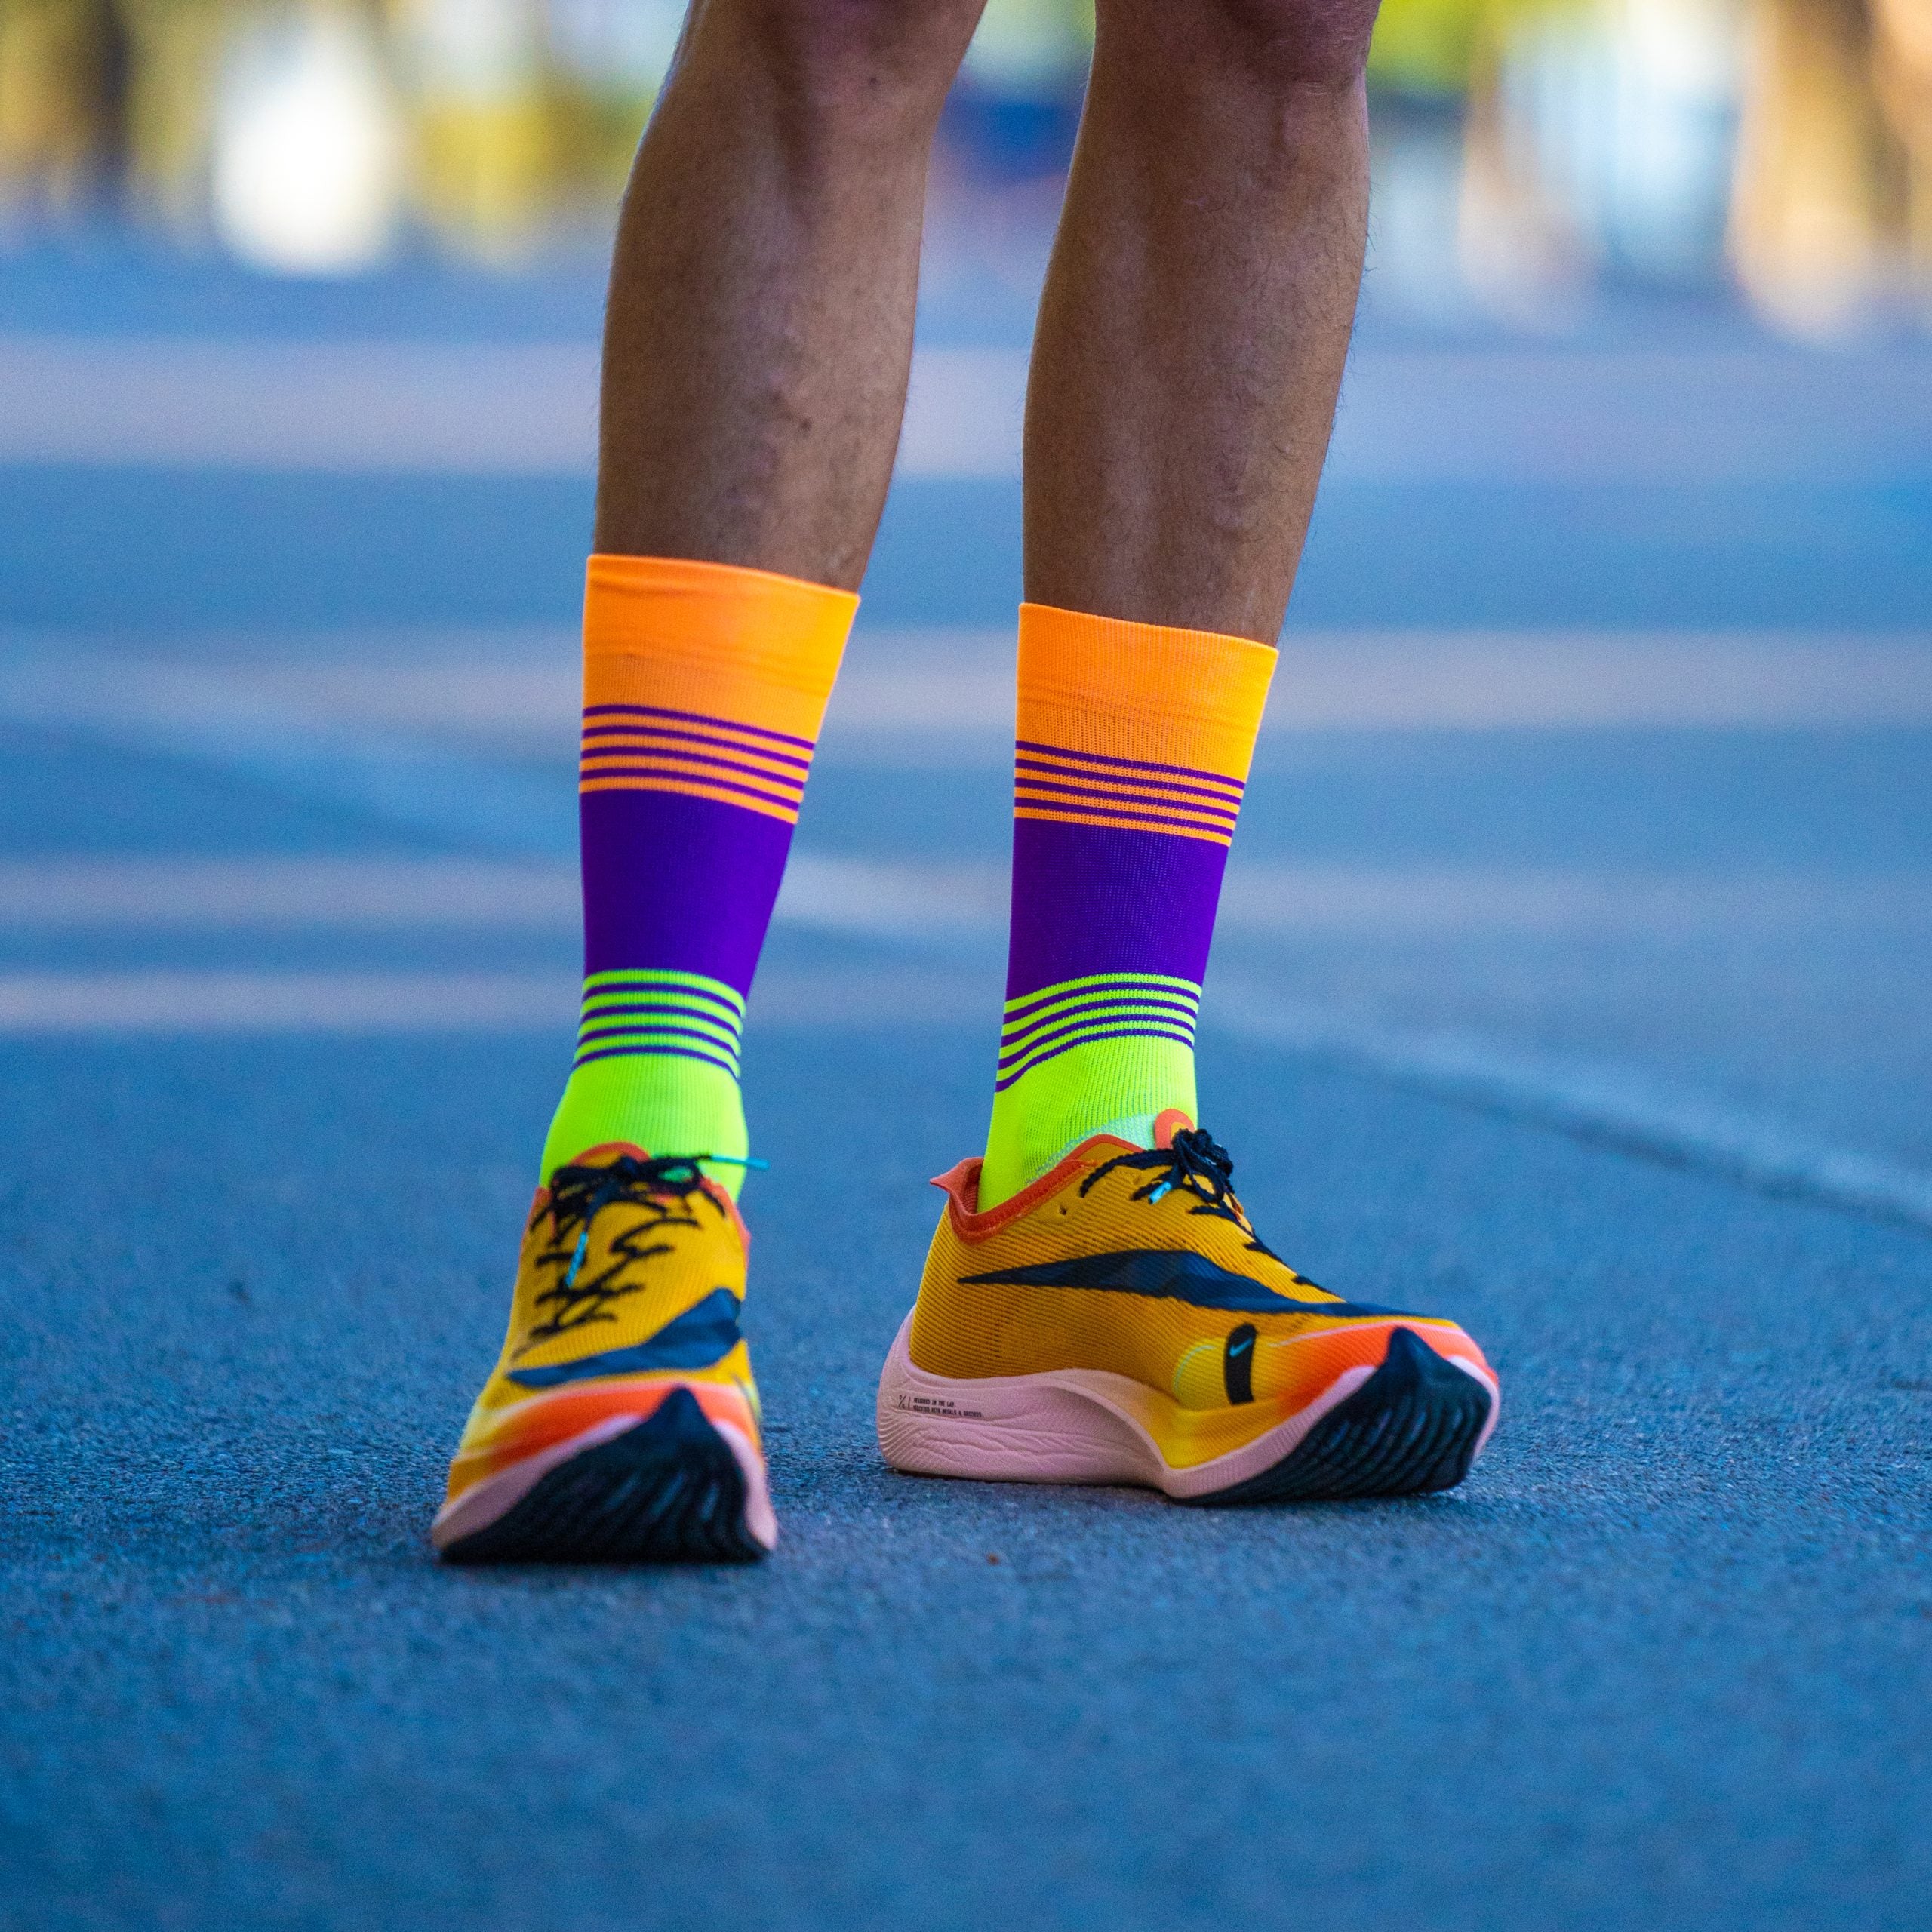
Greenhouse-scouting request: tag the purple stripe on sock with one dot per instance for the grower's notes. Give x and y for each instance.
(1073, 796)
(1047, 1045)
(641, 1053)
(1004, 1079)
(710, 741)
(693, 718)
(713, 1015)
(1134, 764)
(677, 764)
(1094, 898)
(1169, 1012)
(1136, 818)
(691, 777)
(711, 1040)
(673, 884)
(1146, 994)
(635, 985)
(1165, 788)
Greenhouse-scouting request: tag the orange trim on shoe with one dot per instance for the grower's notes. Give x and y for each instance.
(960, 1186)
(543, 1422)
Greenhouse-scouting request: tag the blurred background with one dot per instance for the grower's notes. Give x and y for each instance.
(1609, 645)
(1528, 151)
(1592, 819)
(1602, 740)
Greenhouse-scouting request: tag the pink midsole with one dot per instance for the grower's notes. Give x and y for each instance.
(1072, 1425)
(496, 1496)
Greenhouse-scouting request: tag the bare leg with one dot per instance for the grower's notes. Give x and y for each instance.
(1198, 310)
(760, 328)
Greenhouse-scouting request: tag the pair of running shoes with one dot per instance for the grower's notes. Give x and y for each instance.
(1119, 1321)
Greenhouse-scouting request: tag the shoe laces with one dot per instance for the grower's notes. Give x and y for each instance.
(1194, 1163)
(662, 1190)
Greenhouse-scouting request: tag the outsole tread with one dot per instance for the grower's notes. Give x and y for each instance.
(668, 1490)
(1412, 1428)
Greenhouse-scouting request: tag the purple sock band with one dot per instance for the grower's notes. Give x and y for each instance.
(677, 884)
(1023, 1020)
(1008, 1073)
(1089, 899)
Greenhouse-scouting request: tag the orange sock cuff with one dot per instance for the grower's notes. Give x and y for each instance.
(1150, 693)
(715, 641)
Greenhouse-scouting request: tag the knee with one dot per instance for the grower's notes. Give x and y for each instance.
(1285, 43)
(871, 58)
(1322, 42)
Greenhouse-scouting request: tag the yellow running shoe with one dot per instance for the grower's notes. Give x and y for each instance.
(1120, 1321)
(621, 1423)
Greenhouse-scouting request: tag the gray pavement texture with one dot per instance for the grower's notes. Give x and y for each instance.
(1661, 1664)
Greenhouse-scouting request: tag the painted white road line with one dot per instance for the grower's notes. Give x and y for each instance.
(931, 699)
(221, 717)
(1709, 416)
(1608, 1105)
(92, 1004)
(935, 902)
(406, 408)
(287, 893)
(1613, 1106)
(205, 1003)
(927, 687)
(445, 409)
(822, 892)
(1436, 681)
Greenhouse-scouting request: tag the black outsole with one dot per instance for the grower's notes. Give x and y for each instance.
(1412, 1427)
(669, 1490)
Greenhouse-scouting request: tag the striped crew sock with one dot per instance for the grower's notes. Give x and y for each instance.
(704, 686)
(1135, 745)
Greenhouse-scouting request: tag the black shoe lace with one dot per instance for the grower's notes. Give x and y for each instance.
(661, 1189)
(1192, 1162)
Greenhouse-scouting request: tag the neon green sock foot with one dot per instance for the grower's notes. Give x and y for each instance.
(656, 1065)
(1131, 761)
(1119, 1085)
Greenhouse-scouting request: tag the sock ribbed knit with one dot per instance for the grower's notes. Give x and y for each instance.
(704, 685)
(1134, 746)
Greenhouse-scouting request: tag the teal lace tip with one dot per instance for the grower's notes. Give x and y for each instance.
(734, 1160)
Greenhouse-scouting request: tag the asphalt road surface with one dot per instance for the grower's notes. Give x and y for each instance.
(1572, 982)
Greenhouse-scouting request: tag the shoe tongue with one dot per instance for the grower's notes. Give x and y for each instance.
(1169, 1123)
(606, 1153)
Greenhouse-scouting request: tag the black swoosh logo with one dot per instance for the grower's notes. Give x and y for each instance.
(1237, 1365)
(1171, 1274)
(699, 1338)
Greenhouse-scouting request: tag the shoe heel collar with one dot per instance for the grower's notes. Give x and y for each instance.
(960, 1186)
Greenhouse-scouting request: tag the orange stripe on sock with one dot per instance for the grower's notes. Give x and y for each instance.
(1126, 821)
(694, 789)
(1107, 688)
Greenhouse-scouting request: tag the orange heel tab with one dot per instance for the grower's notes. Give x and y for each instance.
(961, 1184)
